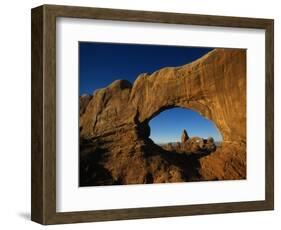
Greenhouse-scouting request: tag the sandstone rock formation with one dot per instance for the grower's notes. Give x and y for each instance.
(83, 102)
(194, 145)
(210, 139)
(184, 136)
(228, 162)
(114, 128)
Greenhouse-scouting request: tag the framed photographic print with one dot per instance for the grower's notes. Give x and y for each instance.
(140, 114)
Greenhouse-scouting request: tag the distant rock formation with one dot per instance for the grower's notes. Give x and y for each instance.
(210, 139)
(115, 133)
(184, 136)
(193, 145)
(199, 145)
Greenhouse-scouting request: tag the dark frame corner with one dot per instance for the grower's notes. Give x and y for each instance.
(43, 188)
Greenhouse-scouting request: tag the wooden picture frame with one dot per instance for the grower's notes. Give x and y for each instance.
(43, 208)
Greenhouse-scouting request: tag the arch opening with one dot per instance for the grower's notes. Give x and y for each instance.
(181, 128)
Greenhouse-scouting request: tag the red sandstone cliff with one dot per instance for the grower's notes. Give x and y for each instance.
(115, 146)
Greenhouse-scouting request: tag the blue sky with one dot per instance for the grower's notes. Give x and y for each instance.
(102, 63)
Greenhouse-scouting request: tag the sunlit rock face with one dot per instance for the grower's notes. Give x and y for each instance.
(114, 128)
(83, 103)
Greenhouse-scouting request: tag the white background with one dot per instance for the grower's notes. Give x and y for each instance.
(15, 114)
(70, 197)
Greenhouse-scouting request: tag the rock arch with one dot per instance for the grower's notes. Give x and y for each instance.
(116, 118)
(214, 86)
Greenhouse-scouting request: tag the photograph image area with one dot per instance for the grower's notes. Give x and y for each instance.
(160, 114)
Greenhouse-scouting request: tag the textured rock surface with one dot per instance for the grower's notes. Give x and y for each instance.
(114, 128)
(228, 162)
(83, 102)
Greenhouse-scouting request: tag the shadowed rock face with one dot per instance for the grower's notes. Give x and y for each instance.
(115, 126)
(184, 136)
